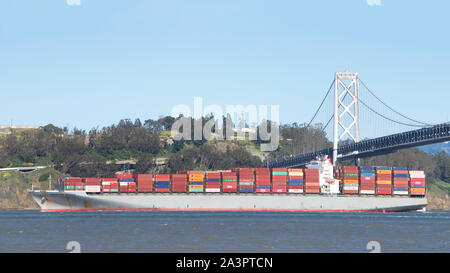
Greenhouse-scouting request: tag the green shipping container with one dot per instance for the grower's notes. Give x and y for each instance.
(279, 173)
(350, 174)
(229, 180)
(195, 190)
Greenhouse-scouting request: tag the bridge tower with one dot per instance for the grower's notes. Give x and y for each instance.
(346, 121)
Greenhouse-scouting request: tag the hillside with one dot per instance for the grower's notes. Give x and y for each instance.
(14, 186)
(436, 148)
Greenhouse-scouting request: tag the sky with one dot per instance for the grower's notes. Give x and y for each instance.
(90, 63)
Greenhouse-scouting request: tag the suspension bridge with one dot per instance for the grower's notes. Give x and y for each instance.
(353, 109)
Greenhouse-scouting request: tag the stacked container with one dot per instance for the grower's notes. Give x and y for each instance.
(295, 180)
(246, 180)
(109, 183)
(400, 181)
(144, 182)
(73, 184)
(162, 183)
(367, 180)
(229, 182)
(93, 185)
(350, 175)
(262, 180)
(384, 180)
(312, 181)
(196, 181)
(131, 186)
(279, 180)
(417, 183)
(123, 184)
(179, 182)
(212, 181)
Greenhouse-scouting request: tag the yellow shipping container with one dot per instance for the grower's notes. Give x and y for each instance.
(195, 186)
(384, 172)
(295, 170)
(196, 176)
(351, 181)
(417, 190)
(385, 182)
(196, 180)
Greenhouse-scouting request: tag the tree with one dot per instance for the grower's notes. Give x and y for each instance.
(144, 164)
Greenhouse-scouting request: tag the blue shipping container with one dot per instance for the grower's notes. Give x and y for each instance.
(196, 183)
(212, 180)
(367, 174)
(296, 180)
(126, 180)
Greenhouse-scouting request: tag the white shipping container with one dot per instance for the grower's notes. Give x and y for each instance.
(414, 173)
(296, 190)
(123, 183)
(367, 192)
(350, 188)
(246, 183)
(92, 188)
(401, 192)
(296, 174)
(212, 190)
(106, 183)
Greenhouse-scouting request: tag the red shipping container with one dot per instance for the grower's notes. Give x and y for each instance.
(162, 190)
(245, 180)
(262, 190)
(162, 177)
(279, 177)
(350, 192)
(181, 189)
(124, 175)
(110, 179)
(196, 172)
(295, 187)
(413, 179)
(367, 178)
(292, 177)
(91, 181)
(279, 190)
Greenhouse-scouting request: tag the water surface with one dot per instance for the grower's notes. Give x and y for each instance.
(34, 231)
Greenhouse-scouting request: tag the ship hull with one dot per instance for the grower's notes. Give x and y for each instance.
(82, 201)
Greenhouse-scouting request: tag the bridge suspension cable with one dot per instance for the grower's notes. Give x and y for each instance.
(383, 116)
(392, 109)
(320, 106)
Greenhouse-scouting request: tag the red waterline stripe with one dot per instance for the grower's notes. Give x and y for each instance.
(217, 210)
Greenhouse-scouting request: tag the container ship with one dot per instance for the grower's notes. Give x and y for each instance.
(317, 188)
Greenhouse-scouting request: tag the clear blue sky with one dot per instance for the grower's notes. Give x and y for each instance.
(96, 63)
